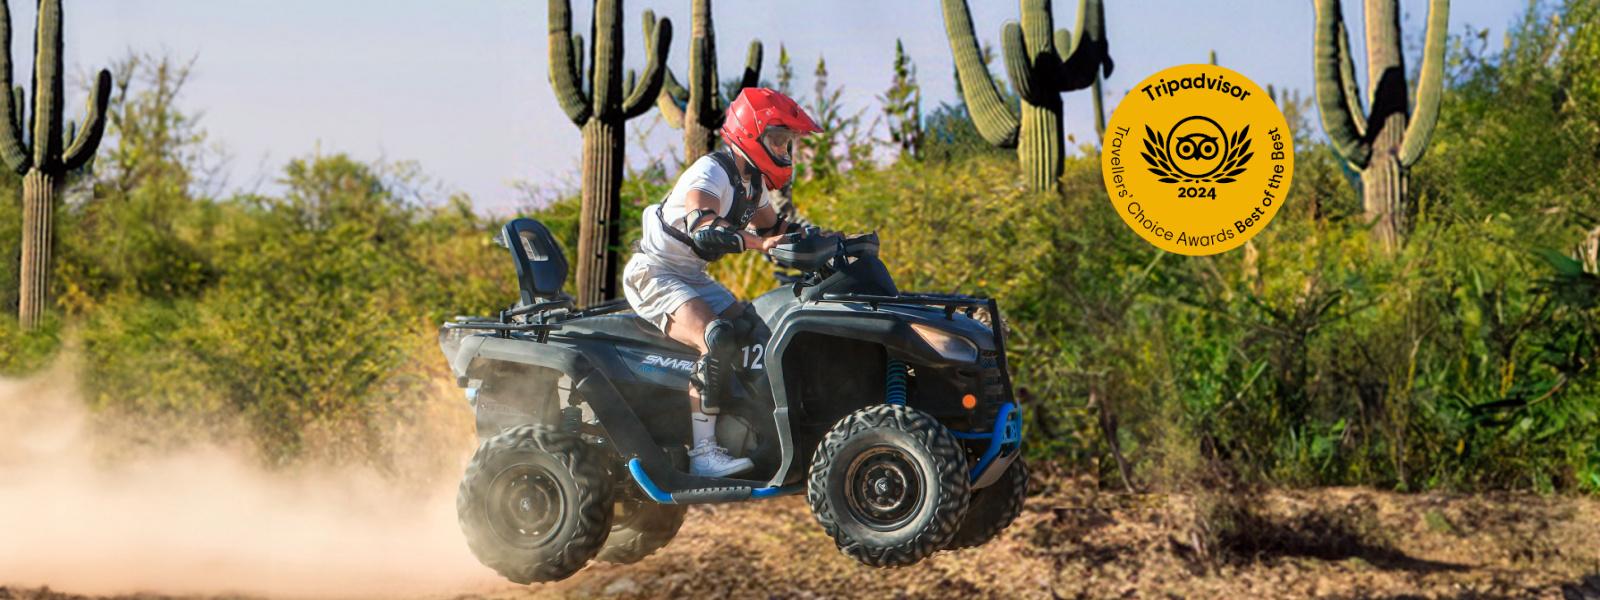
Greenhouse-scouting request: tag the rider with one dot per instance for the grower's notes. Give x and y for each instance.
(704, 218)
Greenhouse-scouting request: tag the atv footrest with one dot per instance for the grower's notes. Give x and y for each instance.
(706, 495)
(712, 495)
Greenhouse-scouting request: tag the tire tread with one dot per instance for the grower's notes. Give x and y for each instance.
(951, 475)
(641, 539)
(593, 514)
(993, 508)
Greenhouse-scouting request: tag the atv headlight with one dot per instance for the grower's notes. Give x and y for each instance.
(948, 345)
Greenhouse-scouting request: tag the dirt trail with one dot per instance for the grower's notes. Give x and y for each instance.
(207, 523)
(1335, 544)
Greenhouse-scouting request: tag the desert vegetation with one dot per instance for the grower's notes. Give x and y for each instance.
(1455, 353)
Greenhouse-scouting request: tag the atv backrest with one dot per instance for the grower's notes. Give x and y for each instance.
(541, 266)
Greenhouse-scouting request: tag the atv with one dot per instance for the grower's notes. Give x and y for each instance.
(893, 412)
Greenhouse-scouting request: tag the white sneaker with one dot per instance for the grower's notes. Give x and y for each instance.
(710, 460)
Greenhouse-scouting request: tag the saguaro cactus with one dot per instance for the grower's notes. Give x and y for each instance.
(699, 109)
(601, 109)
(54, 153)
(1038, 74)
(1380, 145)
(1099, 109)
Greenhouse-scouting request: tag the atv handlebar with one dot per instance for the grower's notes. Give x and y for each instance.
(809, 250)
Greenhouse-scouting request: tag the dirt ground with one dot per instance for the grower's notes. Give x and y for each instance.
(207, 522)
(1330, 543)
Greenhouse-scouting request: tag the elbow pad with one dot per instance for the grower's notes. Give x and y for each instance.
(717, 239)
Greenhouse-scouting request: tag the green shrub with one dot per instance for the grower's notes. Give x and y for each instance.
(1465, 361)
(25, 352)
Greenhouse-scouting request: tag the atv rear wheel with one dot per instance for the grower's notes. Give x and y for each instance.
(889, 484)
(639, 529)
(993, 508)
(535, 504)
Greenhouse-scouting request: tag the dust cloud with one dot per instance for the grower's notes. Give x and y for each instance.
(208, 520)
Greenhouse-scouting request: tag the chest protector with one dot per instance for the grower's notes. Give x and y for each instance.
(740, 211)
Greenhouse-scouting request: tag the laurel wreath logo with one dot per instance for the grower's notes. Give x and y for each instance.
(1160, 160)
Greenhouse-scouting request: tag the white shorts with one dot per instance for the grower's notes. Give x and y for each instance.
(655, 290)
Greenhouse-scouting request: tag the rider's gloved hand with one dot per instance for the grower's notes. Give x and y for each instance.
(756, 242)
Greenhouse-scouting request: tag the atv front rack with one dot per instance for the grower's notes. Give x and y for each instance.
(950, 303)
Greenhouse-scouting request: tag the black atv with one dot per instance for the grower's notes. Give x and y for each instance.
(891, 411)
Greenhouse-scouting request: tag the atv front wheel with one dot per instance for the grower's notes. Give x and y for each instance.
(889, 484)
(993, 508)
(639, 529)
(535, 504)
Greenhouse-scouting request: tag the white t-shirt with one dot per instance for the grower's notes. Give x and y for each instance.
(704, 175)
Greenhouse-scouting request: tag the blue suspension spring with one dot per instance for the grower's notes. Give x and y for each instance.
(896, 387)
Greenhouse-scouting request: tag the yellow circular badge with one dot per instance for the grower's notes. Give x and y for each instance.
(1197, 159)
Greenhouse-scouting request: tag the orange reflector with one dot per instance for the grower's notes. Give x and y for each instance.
(969, 401)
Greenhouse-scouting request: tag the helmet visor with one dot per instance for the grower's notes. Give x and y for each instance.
(779, 142)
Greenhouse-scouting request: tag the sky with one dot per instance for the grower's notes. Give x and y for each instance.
(461, 87)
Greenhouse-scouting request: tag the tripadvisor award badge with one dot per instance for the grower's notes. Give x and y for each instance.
(1197, 159)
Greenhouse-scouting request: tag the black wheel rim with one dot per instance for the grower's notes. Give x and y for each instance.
(526, 506)
(883, 487)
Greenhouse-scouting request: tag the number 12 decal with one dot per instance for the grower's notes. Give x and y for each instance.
(760, 352)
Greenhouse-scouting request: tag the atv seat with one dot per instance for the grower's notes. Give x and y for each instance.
(542, 269)
(624, 327)
(541, 265)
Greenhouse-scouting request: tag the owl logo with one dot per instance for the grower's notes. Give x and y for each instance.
(1197, 146)
(1197, 150)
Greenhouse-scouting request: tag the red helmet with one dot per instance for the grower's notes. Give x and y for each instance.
(762, 125)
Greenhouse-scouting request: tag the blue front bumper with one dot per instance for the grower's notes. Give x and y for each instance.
(1005, 440)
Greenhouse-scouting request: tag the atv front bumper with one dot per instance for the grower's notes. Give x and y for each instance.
(1005, 443)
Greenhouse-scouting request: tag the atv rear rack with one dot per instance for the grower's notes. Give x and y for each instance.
(559, 310)
(504, 326)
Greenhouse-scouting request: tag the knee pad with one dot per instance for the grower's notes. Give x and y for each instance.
(749, 327)
(711, 373)
(722, 339)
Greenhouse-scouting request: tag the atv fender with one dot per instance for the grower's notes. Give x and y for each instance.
(890, 329)
(622, 426)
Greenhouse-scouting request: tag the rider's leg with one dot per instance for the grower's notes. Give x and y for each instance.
(687, 324)
(715, 370)
(690, 324)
